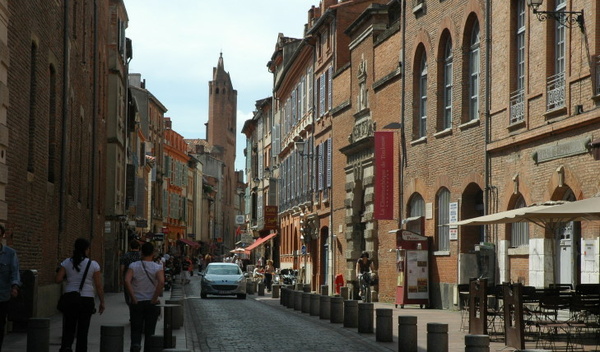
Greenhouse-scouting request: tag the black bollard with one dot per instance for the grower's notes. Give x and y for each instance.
(153, 343)
(112, 338)
(324, 307)
(306, 288)
(315, 300)
(477, 343)
(344, 292)
(365, 318)
(169, 341)
(297, 300)
(437, 337)
(261, 288)
(407, 333)
(384, 331)
(275, 290)
(38, 335)
(351, 314)
(336, 310)
(305, 302)
(324, 290)
(177, 312)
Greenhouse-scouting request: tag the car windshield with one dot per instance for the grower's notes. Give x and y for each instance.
(223, 270)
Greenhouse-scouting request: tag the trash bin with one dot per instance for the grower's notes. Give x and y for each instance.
(24, 306)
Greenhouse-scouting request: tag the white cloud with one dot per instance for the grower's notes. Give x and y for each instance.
(177, 43)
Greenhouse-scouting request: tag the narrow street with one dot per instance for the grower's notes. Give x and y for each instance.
(230, 324)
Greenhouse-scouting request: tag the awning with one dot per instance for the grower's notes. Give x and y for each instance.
(260, 241)
(189, 243)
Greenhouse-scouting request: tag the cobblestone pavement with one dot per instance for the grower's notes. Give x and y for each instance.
(230, 324)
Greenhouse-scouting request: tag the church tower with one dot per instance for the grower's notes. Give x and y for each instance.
(221, 134)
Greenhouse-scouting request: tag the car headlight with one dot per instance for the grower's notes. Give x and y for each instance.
(240, 279)
(208, 281)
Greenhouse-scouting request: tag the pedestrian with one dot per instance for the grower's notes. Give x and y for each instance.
(133, 255)
(144, 281)
(190, 268)
(81, 274)
(10, 280)
(207, 259)
(269, 271)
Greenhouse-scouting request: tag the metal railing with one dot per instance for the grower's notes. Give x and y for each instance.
(517, 106)
(555, 92)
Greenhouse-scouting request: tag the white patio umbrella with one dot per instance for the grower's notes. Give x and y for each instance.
(505, 217)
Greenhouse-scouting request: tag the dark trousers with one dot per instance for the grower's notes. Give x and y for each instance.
(76, 323)
(268, 280)
(144, 316)
(3, 314)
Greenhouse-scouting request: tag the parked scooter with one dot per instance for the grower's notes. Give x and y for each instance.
(288, 276)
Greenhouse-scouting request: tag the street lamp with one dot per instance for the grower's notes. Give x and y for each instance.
(566, 18)
(301, 147)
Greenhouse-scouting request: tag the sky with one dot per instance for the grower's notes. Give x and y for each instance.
(177, 43)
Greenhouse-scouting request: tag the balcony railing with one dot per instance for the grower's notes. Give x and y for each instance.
(555, 92)
(517, 106)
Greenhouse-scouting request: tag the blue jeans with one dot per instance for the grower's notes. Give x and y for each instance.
(144, 316)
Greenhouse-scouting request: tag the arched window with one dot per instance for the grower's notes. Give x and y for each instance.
(443, 218)
(474, 72)
(448, 82)
(416, 209)
(423, 97)
(519, 232)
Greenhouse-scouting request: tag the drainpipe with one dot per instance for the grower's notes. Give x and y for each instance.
(488, 48)
(65, 119)
(94, 124)
(402, 118)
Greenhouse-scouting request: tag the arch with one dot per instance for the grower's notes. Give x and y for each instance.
(442, 210)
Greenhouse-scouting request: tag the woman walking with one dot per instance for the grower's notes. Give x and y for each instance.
(82, 274)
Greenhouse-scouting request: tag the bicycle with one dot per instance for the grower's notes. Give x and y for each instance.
(365, 284)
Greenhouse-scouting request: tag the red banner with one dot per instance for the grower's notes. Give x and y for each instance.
(384, 175)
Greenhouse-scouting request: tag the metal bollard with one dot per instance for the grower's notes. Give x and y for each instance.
(407, 333)
(38, 335)
(177, 312)
(315, 299)
(275, 290)
(112, 338)
(365, 318)
(282, 297)
(324, 307)
(336, 310)
(384, 331)
(261, 288)
(344, 292)
(477, 343)
(153, 343)
(437, 337)
(351, 314)
(299, 287)
(298, 300)
(306, 288)
(324, 290)
(168, 325)
(290, 298)
(305, 302)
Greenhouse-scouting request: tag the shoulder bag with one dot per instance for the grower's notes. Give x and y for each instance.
(70, 301)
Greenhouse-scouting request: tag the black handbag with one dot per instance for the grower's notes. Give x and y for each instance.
(70, 301)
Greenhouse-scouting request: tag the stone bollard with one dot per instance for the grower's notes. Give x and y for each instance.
(407, 333)
(350, 314)
(344, 292)
(299, 287)
(38, 335)
(282, 296)
(153, 343)
(365, 318)
(324, 307)
(261, 288)
(169, 341)
(290, 298)
(315, 299)
(437, 337)
(249, 286)
(384, 323)
(298, 300)
(336, 310)
(324, 290)
(306, 302)
(275, 290)
(306, 288)
(477, 343)
(112, 338)
(177, 312)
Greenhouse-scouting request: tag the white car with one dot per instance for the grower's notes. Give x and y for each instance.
(223, 279)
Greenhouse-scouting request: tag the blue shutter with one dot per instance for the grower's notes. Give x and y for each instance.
(329, 88)
(329, 162)
(320, 153)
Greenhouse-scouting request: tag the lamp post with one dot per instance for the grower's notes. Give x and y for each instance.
(565, 18)
(300, 146)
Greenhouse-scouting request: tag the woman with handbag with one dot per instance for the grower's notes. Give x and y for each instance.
(144, 281)
(77, 302)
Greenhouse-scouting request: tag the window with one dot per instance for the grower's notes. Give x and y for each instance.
(32, 105)
(517, 102)
(555, 88)
(423, 97)
(519, 231)
(474, 64)
(448, 58)
(443, 218)
(416, 209)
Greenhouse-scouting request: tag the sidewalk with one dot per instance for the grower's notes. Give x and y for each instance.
(116, 313)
